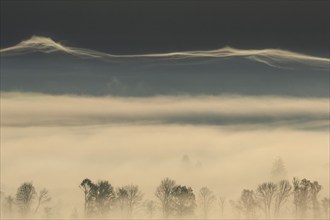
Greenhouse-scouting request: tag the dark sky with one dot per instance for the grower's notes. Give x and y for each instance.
(159, 26)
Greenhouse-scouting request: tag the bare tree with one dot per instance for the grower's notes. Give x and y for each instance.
(315, 189)
(164, 193)
(306, 192)
(24, 197)
(43, 197)
(122, 200)
(222, 203)
(278, 171)
(185, 161)
(326, 207)
(150, 207)
(89, 189)
(206, 200)
(283, 192)
(104, 197)
(8, 205)
(134, 197)
(248, 203)
(266, 193)
(184, 202)
(301, 194)
(98, 197)
(236, 209)
(48, 212)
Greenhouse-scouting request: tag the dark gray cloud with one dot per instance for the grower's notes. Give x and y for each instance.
(125, 27)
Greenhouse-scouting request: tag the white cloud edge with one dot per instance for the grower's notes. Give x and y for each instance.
(271, 57)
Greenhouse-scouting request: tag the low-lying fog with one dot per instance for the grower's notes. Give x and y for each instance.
(226, 143)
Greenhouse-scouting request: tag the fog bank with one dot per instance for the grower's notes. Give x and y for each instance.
(57, 141)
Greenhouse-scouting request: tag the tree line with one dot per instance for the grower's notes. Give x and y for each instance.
(298, 199)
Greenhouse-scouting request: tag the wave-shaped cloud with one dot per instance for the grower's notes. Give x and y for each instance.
(270, 57)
